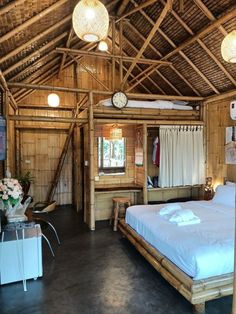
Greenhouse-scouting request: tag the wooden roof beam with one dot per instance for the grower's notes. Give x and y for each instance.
(39, 75)
(136, 9)
(64, 55)
(89, 72)
(122, 7)
(89, 46)
(140, 69)
(35, 53)
(133, 76)
(9, 6)
(32, 20)
(180, 52)
(159, 20)
(5, 86)
(160, 55)
(34, 39)
(229, 15)
(99, 92)
(158, 72)
(210, 16)
(145, 74)
(201, 43)
(29, 67)
(110, 56)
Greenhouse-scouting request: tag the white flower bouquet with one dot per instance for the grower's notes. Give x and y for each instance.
(10, 192)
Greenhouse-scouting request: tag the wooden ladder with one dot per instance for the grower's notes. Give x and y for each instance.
(60, 164)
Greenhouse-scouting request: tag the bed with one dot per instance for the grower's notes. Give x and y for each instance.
(155, 104)
(161, 109)
(196, 259)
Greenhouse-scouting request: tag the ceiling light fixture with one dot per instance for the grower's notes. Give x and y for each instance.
(102, 46)
(90, 20)
(228, 47)
(115, 133)
(53, 100)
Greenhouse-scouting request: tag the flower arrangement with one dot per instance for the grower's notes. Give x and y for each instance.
(10, 191)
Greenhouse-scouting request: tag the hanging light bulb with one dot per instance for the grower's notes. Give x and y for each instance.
(102, 46)
(228, 47)
(53, 100)
(90, 20)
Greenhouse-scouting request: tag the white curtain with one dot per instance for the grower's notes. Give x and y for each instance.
(181, 156)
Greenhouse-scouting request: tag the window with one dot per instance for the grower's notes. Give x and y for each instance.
(111, 155)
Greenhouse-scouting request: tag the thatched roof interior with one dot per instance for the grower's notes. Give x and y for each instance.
(31, 30)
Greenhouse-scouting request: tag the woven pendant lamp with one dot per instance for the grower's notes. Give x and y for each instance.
(90, 20)
(228, 47)
(115, 133)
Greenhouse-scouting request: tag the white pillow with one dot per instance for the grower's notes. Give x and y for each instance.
(225, 195)
(230, 183)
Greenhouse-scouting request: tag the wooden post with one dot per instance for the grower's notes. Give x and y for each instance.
(91, 165)
(6, 114)
(113, 53)
(121, 50)
(145, 193)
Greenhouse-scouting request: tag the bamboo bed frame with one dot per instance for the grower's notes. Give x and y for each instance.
(100, 111)
(197, 292)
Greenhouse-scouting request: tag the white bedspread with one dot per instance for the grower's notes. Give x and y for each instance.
(156, 104)
(202, 250)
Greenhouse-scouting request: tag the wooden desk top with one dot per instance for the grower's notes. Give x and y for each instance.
(122, 187)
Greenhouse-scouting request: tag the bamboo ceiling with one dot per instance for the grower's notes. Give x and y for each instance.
(31, 30)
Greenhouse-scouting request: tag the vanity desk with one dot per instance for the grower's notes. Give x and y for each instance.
(105, 193)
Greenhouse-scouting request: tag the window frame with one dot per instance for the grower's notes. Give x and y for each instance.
(109, 170)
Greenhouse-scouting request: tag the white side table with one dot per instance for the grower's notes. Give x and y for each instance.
(20, 253)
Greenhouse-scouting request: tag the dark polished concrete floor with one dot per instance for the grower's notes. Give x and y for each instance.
(96, 273)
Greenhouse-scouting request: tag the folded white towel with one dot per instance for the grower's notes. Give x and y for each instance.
(169, 209)
(182, 215)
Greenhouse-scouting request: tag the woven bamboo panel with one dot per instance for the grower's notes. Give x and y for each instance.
(39, 154)
(34, 46)
(218, 118)
(208, 67)
(174, 78)
(191, 76)
(21, 15)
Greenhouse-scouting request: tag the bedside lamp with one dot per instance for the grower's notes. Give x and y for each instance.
(208, 189)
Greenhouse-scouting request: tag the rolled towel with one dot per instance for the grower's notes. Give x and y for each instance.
(182, 215)
(169, 209)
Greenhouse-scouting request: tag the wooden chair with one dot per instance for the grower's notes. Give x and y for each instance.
(39, 211)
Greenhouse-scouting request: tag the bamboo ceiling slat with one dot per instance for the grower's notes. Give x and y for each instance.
(34, 42)
(23, 21)
(207, 67)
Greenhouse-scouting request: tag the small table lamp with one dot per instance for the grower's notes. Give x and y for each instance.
(208, 189)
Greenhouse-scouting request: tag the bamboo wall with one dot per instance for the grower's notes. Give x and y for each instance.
(40, 147)
(217, 119)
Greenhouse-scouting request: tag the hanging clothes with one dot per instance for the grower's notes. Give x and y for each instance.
(156, 152)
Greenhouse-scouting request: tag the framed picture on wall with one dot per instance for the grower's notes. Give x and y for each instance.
(230, 145)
